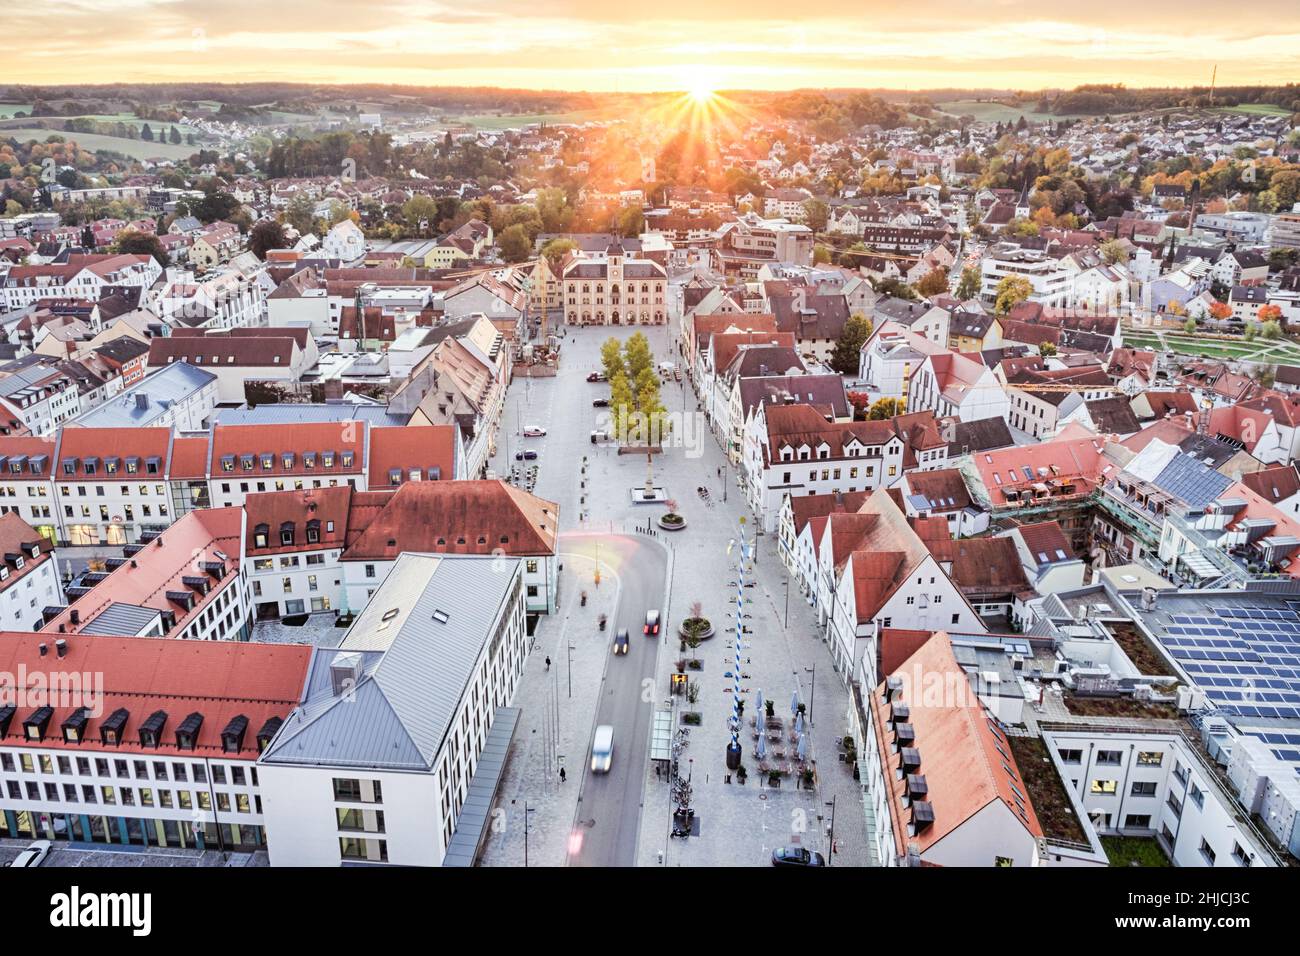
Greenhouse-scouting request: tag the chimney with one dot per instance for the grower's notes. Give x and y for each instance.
(61, 647)
(141, 401)
(75, 616)
(44, 648)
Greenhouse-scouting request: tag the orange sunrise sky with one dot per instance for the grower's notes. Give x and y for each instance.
(667, 45)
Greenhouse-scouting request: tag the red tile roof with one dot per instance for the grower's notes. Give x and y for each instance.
(218, 679)
(1077, 460)
(962, 751)
(1273, 484)
(298, 439)
(189, 457)
(160, 566)
(328, 507)
(415, 446)
(459, 517)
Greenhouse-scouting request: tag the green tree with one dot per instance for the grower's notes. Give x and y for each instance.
(934, 282)
(1250, 332)
(1011, 291)
(821, 255)
(622, 404)
(629, 222)
(969, 286)
(845, 358)
(896, 288)
(174, 137)
(638, 357)
(611, 359)
(815, 214)
(132, 243)
(555, 251)
(514, 244)
(420, 213)
(1046, 349)
(265, 236)
(1271, 330)
(146, 133)
(301, 214)
(1190, 326)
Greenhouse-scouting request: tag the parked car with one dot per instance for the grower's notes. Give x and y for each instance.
(652, 622)
(596, 377)
(621, 641)
(796, 856)
(600, 403)
(534, 431)
(34, 855)
(527, 455)
(599, 436)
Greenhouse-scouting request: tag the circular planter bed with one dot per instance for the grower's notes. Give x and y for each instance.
(684, 632)
(672, 521)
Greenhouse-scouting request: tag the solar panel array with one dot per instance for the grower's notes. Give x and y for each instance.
(1247, 660)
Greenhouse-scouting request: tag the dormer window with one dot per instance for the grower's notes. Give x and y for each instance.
(232, 738)
(327, 459)
(287, 459)
(34, 726)
(110, 730)
(309, 459)
(313, 532)
(260, 536)
(187, 734)
(151, 730)
(345, 459)
(286, 533)
(227, 462)
(268, 462)
(246, 462)
(75, 726)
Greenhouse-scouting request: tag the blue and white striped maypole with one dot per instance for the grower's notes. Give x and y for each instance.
(734, 750)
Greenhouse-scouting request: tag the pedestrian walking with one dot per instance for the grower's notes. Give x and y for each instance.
(548, 663)
(562, 775)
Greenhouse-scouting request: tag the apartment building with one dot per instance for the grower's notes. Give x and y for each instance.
(435, 658)
(794, 450)
(184, 582)
(29, 578)
(614, 288)
(146, 742)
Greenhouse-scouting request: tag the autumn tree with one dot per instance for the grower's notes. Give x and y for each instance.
(934, 282)
(883, 408)
(1010, 292)
(1113, 252)
(131, 242)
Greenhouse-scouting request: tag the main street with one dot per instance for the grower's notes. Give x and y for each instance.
(621, 818)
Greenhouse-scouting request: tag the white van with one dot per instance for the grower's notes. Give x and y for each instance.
(602, 749)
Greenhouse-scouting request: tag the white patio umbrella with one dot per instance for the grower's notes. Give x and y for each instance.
(759, 713)
(794, 704)
(803, 746)
(798, 724)
(762, 746)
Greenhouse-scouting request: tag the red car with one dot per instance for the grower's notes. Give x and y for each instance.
(652, 622)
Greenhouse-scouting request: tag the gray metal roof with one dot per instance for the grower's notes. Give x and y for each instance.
(377, 415)
(415, 667)
(122, 620)
(476, 812)
(171, 384)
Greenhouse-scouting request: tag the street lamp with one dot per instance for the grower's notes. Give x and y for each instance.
(570, 671)
(812, 697)
(527, 811)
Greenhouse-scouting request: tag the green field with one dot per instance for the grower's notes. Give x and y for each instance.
(7, 110)
(135, 148)
(496, 122)
(999, 112)
(1257, 109)
(1281, 351)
